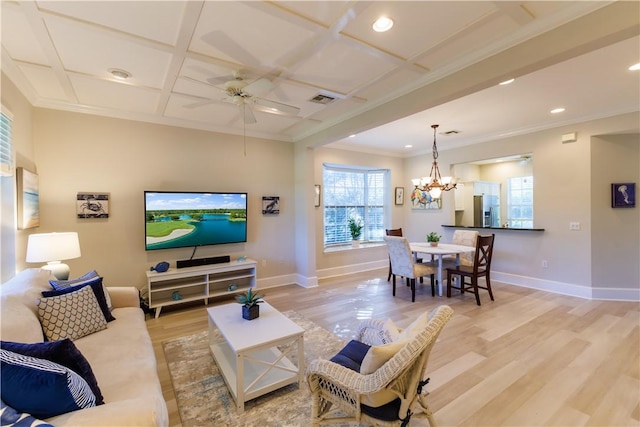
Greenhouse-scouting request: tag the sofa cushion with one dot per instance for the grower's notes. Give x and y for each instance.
(98, 290)
(19, 323)
(40, 387)
(85, 278)
(63, 352)
(10, 417)
(71, 315)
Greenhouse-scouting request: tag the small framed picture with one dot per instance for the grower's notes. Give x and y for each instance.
(623, 195)
(399, 195)
(270, 205)
(92, 205)
(316, 196)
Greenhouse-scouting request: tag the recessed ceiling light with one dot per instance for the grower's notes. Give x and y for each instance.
(635, 67)
(408, 146)
(351, 136)
(119, 74)
(382, 24)
(506, 82)
(557, 110)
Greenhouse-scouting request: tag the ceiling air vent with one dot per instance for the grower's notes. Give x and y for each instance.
(322, 99)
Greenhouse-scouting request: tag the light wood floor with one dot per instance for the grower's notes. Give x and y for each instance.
(529, 358)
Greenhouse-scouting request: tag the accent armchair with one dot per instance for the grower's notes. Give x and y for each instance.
(344, 394)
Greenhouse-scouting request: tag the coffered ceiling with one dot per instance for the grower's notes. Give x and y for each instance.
(440, 62)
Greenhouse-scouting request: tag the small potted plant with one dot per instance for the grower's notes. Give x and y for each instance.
(433, 238)
(250, 300)
(355, 228)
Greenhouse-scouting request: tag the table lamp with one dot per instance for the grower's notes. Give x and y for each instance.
(53, 248)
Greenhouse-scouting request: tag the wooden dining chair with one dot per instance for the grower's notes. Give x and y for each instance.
(398, 233)
(404, 264)
(481, 268)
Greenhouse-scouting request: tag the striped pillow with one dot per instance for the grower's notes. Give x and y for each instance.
(42, 388)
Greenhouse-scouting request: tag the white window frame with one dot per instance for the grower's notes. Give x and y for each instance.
(373, 215)
(517, 199)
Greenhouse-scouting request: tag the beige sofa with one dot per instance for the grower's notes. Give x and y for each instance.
(121, 356)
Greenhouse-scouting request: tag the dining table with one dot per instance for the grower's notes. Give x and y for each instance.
(439, 252)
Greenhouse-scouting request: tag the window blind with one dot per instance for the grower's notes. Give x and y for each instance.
(6, 145)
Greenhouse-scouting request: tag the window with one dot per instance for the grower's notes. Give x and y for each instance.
(7, 198)
(353, 192)
(6, 146)
(520, 202)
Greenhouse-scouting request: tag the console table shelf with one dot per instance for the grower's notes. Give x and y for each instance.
(199, 283)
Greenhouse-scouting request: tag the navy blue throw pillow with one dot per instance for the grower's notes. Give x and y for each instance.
(351, 355)
(41, 388)
(63, 352)
(98, 290)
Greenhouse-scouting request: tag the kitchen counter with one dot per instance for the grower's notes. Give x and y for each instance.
(493, 228)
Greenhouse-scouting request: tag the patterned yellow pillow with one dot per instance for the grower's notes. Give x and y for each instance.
(73, 315)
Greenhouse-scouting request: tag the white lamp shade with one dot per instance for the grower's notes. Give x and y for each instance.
(47, 247)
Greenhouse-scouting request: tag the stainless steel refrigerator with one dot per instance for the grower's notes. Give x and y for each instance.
(486, 211)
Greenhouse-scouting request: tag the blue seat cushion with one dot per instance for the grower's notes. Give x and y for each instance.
(386, 412)
(351, 355)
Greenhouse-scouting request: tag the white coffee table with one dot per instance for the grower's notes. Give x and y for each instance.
(248, 358)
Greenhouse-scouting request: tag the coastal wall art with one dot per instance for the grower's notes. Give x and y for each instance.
(28, 199)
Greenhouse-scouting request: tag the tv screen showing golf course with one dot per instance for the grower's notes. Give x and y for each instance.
(182, 219)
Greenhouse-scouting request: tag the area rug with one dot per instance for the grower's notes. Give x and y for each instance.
(202, 395)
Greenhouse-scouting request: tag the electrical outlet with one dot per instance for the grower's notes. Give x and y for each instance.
(545, 263)
(574, 226)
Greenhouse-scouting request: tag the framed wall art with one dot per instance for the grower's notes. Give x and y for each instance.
(316, 196)
(270, 205)
(92, 205)
(399, 199)
(623, 195)
(28, 199)
(424, 201)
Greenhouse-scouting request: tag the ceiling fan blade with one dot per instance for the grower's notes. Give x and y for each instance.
(247, 114)
(228, 46)
(276, 106)
(259, 87)
(199, 104)
(219, 80)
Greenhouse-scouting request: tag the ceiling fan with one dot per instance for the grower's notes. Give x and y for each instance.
(247, 96)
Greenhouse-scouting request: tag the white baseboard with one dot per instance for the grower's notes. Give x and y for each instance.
(608, 294)
(352, 268)
(287, 279)
(612, 294)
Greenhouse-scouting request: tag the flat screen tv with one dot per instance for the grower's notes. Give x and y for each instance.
(183, 219)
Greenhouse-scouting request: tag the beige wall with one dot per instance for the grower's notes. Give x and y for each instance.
(615, 233)
(84, 153)
(563, 193)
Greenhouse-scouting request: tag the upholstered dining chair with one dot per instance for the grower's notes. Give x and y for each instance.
(395, 232)
(481, 268)
(464, 238)
(403, 264)
(350, 388)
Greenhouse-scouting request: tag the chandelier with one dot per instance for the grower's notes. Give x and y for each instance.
(434, 184)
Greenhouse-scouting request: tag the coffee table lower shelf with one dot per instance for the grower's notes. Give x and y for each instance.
(264, 371)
